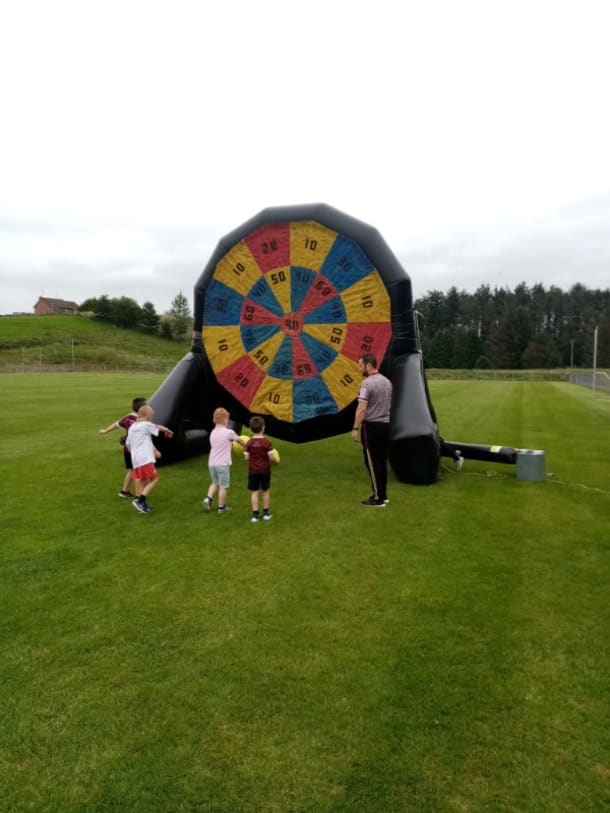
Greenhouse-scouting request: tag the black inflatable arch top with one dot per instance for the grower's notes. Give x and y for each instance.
(283, 363)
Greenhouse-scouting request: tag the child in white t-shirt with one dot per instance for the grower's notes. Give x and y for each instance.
(143, 455)
(219, 460)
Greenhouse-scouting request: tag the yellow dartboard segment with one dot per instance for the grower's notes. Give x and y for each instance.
(223, 345)
(367, 300)
(274, 397)
(343, 378)
(238, 269)
(331, 335)
(310, 242)
(279, 282)
(264, 354)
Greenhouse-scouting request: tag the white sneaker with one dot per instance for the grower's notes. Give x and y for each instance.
(267, 516)
(207, 503)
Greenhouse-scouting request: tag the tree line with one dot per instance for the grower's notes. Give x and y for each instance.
(126, 313)
(526, 328)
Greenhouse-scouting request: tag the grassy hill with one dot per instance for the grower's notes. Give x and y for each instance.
(40, 342)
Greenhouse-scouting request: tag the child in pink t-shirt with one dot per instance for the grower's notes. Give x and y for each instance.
(219, 460)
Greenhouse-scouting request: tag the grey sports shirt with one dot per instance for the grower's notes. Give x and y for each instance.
(376, 390)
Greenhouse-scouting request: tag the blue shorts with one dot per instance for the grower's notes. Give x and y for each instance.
(220, 476)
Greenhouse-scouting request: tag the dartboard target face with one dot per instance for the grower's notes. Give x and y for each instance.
(288, 311)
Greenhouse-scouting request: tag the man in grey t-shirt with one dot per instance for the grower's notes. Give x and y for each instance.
(372, 420)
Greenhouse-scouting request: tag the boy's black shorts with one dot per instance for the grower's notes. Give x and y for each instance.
(259, 482)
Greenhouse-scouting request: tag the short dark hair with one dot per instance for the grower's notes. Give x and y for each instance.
(369, 358)
(257, 424)
(137, 403)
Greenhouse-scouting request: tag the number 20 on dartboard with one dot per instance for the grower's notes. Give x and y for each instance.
(367, 344)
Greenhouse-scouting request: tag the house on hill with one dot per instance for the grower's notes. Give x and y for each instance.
(46, 306)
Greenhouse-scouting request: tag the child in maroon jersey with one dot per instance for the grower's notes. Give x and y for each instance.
(259, 453)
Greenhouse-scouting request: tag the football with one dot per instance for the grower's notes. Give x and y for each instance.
(237, 449)
(275, 456)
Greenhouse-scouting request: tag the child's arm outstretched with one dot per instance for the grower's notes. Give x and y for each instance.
(109, 428)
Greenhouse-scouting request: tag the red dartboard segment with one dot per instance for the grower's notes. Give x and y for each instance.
(270, 246)
(367, 337)
(303, 365)
(242, 378)
(321, 292)
(254, 314)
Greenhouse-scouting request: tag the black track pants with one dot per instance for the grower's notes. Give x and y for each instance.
(374, 437)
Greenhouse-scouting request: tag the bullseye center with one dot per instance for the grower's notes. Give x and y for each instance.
(292, 324)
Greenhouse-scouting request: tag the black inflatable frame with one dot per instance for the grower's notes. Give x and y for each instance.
(187, 398)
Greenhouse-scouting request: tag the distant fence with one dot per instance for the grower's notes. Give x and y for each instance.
(496, 375)
(602, 380)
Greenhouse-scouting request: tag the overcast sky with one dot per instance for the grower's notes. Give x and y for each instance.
(475, 136)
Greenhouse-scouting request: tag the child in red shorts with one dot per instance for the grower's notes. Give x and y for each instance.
(125, 423)
(143, 455)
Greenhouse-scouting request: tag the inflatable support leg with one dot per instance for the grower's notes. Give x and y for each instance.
(182, 403)
(414, 442)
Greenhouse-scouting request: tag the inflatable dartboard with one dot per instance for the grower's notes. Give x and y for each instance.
(287, 313)
(284, 308)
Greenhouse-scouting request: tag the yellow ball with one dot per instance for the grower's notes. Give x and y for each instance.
(275, 456)
(237, 448)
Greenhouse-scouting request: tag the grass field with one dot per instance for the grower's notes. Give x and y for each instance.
(447, 653)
